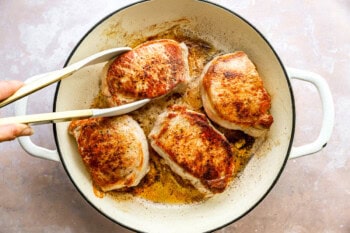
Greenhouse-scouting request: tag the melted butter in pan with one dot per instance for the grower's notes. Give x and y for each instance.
(161, 185)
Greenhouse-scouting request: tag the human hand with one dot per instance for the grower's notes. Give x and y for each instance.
(12, 131)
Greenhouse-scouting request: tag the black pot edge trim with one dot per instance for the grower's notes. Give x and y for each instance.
(287, 79)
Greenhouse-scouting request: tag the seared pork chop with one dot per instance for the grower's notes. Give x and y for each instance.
(150, 70)
(234, 96)
(114, 150)
(193, 149)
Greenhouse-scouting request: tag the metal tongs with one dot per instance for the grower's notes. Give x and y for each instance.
(41, 81)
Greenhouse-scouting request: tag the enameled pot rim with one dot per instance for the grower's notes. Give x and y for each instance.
(285, 75)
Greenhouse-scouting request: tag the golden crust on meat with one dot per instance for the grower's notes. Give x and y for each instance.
(234, 96)
(186, 139)
(114, 150)
(150, 70)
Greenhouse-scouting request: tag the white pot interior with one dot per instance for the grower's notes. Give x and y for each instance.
(224, 30)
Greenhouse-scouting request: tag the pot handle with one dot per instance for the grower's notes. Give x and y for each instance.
(328, 112)
(26, 142)
(317, 145)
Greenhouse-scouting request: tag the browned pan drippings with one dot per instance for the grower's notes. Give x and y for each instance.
(161, 185)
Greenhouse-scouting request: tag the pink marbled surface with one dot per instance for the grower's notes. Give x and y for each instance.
(313, 193)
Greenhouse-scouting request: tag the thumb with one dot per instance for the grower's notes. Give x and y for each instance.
(10, 132)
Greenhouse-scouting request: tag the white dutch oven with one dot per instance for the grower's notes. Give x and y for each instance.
(225, 30)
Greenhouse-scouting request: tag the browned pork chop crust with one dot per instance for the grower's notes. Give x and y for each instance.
(193, 149)
(234, 96)
(150, 70)
(114, 150)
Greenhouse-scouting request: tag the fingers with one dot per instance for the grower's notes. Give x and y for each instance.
(7, 88)
(10, 132)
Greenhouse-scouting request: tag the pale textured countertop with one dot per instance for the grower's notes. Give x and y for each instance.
(313, 193)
